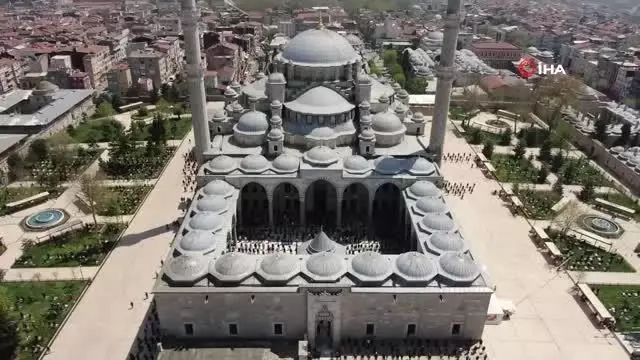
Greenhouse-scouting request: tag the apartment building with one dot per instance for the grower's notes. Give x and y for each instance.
(119, 79)
(149, 64)
(10, 73)
(97, 62)
(499, 55)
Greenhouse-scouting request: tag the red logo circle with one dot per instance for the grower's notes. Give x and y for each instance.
(528, 67)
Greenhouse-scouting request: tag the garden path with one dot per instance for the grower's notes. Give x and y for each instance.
(549, 323)
(102, 326)
(608, 278)
(51, 274)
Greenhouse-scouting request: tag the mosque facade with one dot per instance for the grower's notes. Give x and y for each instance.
(319, 215)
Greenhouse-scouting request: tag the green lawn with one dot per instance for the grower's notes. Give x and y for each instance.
(137, 164)
(175, 129)
(38, 308)
(581, 173)
(625, 299)
(94, 131)
(84, 247)
(120, 200)
(538, 203)
(11, 194)
(622, 200)
(510, 170)
(585, 257)
(78, 160)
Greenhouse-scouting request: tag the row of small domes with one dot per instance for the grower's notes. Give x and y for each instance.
(412, 266)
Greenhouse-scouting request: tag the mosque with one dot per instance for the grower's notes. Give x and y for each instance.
(318, 215)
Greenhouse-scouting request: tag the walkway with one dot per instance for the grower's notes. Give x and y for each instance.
(51, 274)
(609, 278)
(102, 327)
(549, 322)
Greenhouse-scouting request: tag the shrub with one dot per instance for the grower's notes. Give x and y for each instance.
(487, 150)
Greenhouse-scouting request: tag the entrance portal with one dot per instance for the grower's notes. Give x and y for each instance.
(324, 338)
(320, 204)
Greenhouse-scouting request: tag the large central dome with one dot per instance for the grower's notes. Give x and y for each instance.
(319, 47)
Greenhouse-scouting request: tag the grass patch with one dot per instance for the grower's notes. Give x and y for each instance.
(622, 200)
(137, 163)
(65, 165)
(120, 200)
(95, 131)
(175, 128)
(538, 203)
(12, 194)
(85, 247)
(585, 257)
(580, 172)
(510, 170)
(625, 299)
(38, 308)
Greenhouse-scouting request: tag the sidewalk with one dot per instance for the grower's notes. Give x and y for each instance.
(103, 327)
(608, 278)
(51, 274)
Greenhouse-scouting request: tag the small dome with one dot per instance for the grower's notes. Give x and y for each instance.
(187, 266)
(218, 187)
(276, 120)
(396, 86)
(435, 35)
(443, 242)
(417, 117)
(420, 166)
(430, 205)
(437, 222)
(212, 203)
(415, 266)
(402, 93)
(230, 92)
(387, 122)
(279, 264)
(423, 188)
(286, 163)
(237, 107)
(458, 267)
(219, 115)
(367, 134)
(383, 99)
(364, 104)
(388, 165)
(321, 156)
(322, 133)
(206, 221)
(254, 164)
(366, 120)
(325, 264)
(276, 103)
(371, 264)
(275, 134)
(197, 240)
(46, 86)
(252, 121)
(234, 264)
(222, 164)
(356, 164)
(319, 47)
(321, 243)
(364, 79)
(277, 78)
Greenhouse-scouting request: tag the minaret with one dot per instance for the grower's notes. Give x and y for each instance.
(445, 75)
(195, 78)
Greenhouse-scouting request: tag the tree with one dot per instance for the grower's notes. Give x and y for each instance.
(566, 219)
(542, 175)
(92, 191)
(545, 151)
(154, 96)
(587, 193)
(38, 150)
(8, 326)
(519, 151)
(103, 110)
(116, 101)
(556, 162)
(625, 134)
(557, 187)
(157, 131)
(400, 79)
(570, 172)
(476, 136)
(416, 85)
(162, 106)
(505, 137)
(178, 110)
(487, 150)
(390, 58)
(558, 92)
(600, 130)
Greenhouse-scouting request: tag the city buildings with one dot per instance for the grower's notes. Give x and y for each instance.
(499, 55)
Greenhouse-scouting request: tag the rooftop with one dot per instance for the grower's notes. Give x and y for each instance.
(63, 101)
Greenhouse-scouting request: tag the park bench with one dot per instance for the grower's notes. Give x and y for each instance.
(31, 200)
(459, 129)
(555, 253)
(615, 209)
(592, 239)
(61, 230)
(84, 202)
(601, 313)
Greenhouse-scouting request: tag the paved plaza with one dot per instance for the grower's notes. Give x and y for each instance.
(549, 322)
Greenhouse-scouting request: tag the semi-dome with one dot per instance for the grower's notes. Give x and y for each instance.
(387, 122)
(286, 163)
(279, 265)
(186, 267)
(222, 164)
(442, 242)
(356, 164)
(430, 205)
(415, 266)
(198, 240)
(323, 132)
(371, 264)
(458, 266)
(254, 164)
(325, 265)
(321, 156)
(423, 188)
(218, 187)
(212, 203)
(436, 223)
(233, 266)
(388, 165)
(319, 47)
(253, 122)
(420, 166)
(206, 221)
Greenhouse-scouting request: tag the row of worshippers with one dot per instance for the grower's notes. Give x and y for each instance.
(458, 157)
(459, 189)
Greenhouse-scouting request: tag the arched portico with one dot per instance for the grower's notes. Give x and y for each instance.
(286, 205)
(321, 204)
(355, 205)
(254, 206)
(388, 212)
